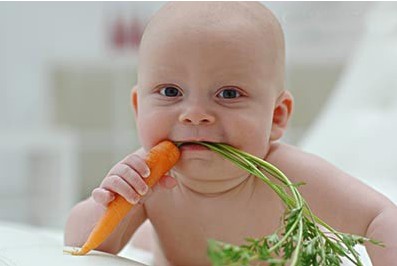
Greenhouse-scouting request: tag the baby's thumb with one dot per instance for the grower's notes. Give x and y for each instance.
(167, 182)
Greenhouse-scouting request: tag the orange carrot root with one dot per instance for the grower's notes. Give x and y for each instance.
(161, 159)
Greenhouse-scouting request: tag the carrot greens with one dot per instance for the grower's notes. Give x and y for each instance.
(299, 240)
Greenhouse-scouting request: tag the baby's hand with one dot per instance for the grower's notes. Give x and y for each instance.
(126, 178)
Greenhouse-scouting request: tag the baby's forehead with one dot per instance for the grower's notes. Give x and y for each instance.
(199, 17)
(246, 25)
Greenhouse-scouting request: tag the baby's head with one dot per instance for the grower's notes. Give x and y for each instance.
(212, 71)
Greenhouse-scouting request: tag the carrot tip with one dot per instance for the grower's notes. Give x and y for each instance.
(75, 251)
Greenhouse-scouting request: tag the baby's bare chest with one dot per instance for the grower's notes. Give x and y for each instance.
(184, 225)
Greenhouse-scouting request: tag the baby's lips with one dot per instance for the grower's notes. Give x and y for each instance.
(183, 141)
(193, 147)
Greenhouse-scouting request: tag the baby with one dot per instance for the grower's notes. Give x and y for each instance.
(214, 71)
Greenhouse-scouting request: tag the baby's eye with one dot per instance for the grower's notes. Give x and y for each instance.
(170, 92)
(229, 94)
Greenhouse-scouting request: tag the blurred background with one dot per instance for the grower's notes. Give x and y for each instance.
(67, 68)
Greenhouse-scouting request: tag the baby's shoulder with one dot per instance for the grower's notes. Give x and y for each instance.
(282, 153)
(299, 164)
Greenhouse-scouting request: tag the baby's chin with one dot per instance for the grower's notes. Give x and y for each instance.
(208, 177)
(205, 165)
(196, 163)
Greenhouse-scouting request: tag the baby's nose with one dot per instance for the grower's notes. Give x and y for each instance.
(196, 118)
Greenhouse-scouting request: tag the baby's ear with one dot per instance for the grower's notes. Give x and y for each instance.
(134, 99)
(281, 114)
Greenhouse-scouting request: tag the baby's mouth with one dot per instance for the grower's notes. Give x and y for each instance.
(190, 145)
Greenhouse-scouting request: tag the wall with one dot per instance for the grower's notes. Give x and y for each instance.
(32, 35)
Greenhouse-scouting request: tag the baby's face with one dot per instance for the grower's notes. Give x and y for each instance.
(217, 84)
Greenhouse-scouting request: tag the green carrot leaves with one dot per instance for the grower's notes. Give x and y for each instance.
(299, 240)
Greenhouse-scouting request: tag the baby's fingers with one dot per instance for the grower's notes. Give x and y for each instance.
(131, 177)
(119, 186)
(138, 164)
(102, 196)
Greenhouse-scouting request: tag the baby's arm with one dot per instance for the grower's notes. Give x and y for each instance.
(341, 200)
(126, 178)
(383, 227)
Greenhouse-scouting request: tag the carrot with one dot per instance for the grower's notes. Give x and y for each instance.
(161, 159)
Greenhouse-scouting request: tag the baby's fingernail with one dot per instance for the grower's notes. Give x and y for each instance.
(147, 173)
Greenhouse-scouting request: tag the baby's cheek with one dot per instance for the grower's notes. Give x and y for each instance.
(151, 131)
(253, 139)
